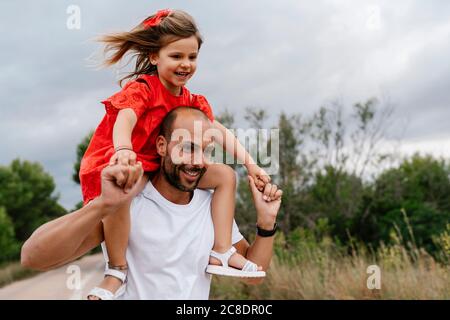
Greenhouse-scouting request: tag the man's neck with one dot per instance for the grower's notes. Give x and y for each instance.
(170, 192)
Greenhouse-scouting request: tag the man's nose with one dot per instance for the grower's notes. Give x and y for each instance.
(200, 160)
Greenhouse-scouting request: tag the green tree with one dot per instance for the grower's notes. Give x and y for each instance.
(338, 197)
(81, 149)
(413, 198)
(9, 248)
(323, 162)
(334, 152)
(26, 192)
(291, 177)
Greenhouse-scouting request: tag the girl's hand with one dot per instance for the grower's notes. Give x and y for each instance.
(123, 157)
(260, 177)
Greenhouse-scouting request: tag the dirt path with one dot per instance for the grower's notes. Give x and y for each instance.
(72, 281)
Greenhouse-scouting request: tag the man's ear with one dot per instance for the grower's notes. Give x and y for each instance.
(161, 146)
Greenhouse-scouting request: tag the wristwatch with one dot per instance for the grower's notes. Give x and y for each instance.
(266, 233)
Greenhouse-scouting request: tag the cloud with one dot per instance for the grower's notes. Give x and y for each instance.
(287, 55)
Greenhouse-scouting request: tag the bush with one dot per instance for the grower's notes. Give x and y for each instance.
(9, 248)
(26, 192)
(413, 198)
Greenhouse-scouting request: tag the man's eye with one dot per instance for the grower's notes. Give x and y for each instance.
(208, 153)
(209, 150)
(187, 149)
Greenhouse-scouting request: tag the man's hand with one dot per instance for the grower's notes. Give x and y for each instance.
(259, 176)
(266, 211)
(121, 183)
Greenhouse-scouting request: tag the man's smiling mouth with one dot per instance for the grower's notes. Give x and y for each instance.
(192, 173)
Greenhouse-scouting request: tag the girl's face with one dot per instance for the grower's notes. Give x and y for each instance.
(176, 63)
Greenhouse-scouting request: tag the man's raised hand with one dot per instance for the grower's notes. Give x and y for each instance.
(120, 183)
(266, 210)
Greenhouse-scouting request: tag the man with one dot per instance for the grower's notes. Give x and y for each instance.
(171, 232)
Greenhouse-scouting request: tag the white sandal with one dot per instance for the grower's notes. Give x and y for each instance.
(250, 269)
(104, 294)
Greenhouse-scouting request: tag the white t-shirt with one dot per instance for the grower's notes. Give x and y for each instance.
(169, 247)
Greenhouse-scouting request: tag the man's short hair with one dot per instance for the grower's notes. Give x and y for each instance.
(166, 126)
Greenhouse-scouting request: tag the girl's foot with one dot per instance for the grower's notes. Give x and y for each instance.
(236, 261)
(109, 283)
(114, 281)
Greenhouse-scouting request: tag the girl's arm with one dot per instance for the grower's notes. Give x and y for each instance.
(231, 145)
(123, 128)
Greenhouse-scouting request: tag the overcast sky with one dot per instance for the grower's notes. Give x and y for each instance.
(279, 55)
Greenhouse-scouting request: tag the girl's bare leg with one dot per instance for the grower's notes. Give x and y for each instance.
(116, 228)
(222, 179)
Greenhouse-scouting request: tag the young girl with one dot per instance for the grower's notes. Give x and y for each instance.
(166, 47)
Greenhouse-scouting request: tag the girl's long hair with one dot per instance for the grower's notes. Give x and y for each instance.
(142, 41)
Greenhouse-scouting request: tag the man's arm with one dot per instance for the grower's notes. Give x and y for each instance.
(69, 237)
(64, 239)
(261, 250)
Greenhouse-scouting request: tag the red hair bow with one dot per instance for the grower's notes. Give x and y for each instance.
(157, 18)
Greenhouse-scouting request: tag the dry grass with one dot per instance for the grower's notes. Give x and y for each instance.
(12, 272)
(311, 269)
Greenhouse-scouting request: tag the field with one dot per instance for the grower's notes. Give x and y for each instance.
(305, 267)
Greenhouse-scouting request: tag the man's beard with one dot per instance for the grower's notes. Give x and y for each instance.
(172, 173)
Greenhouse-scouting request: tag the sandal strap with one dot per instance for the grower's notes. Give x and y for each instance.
(116, 274)
(101, 293)
(223, 257)
(250, 266)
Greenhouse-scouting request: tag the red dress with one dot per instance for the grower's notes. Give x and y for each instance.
(151, 101)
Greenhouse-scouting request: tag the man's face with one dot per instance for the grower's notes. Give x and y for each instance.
(184, 177)
(187, 156)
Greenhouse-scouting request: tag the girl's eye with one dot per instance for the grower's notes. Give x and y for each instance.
(193, 57)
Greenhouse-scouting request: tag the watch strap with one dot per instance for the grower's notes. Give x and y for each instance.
(266, 233)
